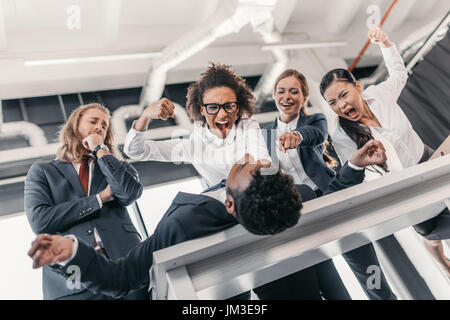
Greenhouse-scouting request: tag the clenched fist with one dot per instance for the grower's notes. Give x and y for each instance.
(163, 109)
(378, 36)
(92, 140)
(372, 152)
(289, 140)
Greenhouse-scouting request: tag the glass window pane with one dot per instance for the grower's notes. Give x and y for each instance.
(155, 200)
(18, 280)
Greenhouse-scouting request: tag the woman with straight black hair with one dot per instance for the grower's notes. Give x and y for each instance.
(373, 113)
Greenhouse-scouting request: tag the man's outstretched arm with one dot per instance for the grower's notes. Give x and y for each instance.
(114, 278)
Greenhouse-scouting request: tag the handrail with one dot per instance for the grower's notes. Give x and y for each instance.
(234, 261)
(363, 50)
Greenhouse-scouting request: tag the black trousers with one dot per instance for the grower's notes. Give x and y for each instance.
(360, 260)
(140, 294)
(437, 228)
(314, 283)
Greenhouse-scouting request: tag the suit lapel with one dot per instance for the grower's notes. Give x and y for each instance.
(270, 139)
(97, 179)
(300, 123)
(215, 207)
(68, 171)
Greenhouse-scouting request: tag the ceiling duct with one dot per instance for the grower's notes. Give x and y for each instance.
(229, 17)
(34, 134)
(119, 117)
(280, 60)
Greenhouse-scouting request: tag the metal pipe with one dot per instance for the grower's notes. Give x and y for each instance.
(363, 50)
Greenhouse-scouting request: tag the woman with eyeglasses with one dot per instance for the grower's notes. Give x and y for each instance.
(221, 105)
(375, 114)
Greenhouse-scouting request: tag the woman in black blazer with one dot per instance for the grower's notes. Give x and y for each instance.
(296, 139)
(295, 142)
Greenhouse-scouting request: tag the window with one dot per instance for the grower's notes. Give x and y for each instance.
(18, 280)
(156, 199)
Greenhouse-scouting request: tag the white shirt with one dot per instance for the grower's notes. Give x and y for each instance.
(395, 126)
(91, 163)
(211, 156)
(393, 161)
(220, 195)
(290, 161)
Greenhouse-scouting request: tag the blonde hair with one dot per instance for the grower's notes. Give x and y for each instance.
(72, 149)
(303, 84)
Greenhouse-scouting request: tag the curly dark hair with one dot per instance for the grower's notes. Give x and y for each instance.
(219, 75)
(269, 205)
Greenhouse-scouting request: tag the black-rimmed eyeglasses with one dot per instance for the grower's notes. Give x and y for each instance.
(214, 108)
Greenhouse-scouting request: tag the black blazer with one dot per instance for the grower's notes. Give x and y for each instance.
(314, 129)
(190, 216)
(55, 203)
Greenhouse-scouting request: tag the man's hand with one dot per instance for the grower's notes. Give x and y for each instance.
(163, 109)
(106, 195)
(377, 36)
(289, 140)
(92, 140)
(372, 152)
(50, 249)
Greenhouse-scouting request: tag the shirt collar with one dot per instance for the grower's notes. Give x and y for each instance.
(284, 127)
(211, 137)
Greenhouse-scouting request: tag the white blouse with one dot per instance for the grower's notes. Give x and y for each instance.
(395, 126)
(290, 161)
(211, 156)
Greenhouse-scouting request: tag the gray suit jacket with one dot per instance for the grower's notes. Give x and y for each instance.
(55, 203)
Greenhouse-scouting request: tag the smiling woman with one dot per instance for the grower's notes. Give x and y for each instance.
(221, 105)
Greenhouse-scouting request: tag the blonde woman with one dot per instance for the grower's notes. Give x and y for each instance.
(84, 192)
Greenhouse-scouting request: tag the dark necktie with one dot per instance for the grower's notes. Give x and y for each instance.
(84, 174)
(216, 187)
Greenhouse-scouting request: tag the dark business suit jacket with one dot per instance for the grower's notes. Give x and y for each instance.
(190, 216)
(314, 129)
(55, 203)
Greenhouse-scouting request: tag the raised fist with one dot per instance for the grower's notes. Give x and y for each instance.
(378, 36)
(163, 109)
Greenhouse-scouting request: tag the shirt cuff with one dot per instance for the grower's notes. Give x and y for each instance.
(100, 203)
(299, 134)
(74, 250)
(351, 165)
(135, 131)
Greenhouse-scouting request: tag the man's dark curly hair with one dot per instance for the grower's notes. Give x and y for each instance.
(219, 75)
(269, 205)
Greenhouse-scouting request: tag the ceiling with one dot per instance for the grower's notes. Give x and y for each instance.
(38, 30)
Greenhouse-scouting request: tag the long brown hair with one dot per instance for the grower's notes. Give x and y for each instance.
(71, 148)
(330, 161)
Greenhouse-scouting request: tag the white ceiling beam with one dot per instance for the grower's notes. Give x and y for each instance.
(340, 14)
(282, 13)
(3, 43)
(112, 21)
(399, 14)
